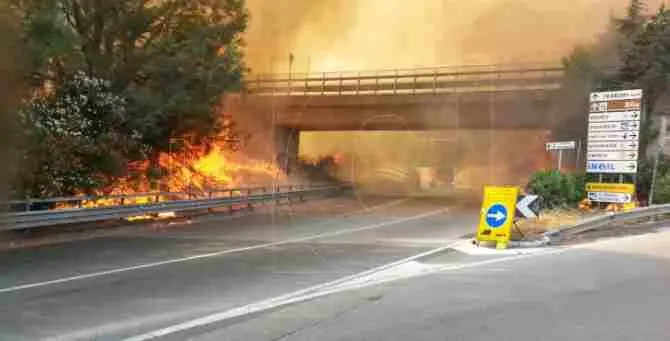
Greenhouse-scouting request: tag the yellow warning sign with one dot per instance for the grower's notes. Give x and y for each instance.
(497, 214)
(611, 187)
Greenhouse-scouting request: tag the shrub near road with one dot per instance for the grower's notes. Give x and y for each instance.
(559, 190)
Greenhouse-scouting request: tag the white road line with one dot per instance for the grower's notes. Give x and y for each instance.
(219, 253)
(345, 284)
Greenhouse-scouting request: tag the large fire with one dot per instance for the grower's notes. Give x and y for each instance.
(188, 170)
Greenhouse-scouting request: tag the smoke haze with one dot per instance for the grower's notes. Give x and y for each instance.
(344, 35)
(337, 35)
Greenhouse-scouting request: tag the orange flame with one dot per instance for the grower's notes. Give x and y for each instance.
(195, 169)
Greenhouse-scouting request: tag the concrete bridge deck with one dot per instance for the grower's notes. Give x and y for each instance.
(476, 97)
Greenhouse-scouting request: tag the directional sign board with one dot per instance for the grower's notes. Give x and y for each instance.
(610, 146)
(610, 187)
(560, 145)
(611, 167)
(617, 198)
(612, 155)
(606, 96)
(497, 214)
(614, 132)
(610, 192)
(613, 136)
(614, 126)
(615, 116)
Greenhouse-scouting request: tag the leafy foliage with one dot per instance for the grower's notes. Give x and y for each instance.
(662, 189)
(76, 138)
(149, 70)
(557, 189)
(644, 179)
(171, 59)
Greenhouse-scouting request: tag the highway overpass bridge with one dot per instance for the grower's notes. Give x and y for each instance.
(495, 97)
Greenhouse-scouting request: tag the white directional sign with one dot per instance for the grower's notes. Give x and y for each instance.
(612, 156)
(611, 166)
(615, 116)
(617, 198)
(615, 126)
(612, 146)
(560, 145)
(614, 132)
(614, 136)
(616, 95)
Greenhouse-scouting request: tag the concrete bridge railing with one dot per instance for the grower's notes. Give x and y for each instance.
(435, 80)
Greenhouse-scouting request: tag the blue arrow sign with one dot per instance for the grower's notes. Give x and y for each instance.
(496, 215)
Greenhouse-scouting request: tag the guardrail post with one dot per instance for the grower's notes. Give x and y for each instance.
(306, 85)
(376, 83)
(358, 85)
(123, 200)
(414, 84)
(29, 204)
(258, 82)
(249, 205)
(323, 83)
(395, 82)
(339, 86)
(230, 206)
(434, 81)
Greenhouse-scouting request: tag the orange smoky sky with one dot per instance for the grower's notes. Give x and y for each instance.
(340, 35)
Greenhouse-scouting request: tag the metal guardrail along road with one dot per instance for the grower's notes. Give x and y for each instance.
(621, 217)
(409, 81)
(245, 197)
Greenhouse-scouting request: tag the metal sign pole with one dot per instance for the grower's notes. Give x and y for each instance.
(579, 153)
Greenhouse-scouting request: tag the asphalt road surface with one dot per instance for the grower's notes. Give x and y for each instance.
(110, 285)
(334, 269)
(613, 289)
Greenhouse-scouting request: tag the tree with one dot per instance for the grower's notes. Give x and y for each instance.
(634, 21)
(77, 138)
(171, 59)
(646, 63)
(11, 88)
(166, 65)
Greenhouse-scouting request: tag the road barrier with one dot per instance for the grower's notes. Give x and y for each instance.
(619, 217)
(245, 197)
(410, 81)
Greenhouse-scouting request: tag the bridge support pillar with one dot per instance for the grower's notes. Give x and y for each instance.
(286, 142)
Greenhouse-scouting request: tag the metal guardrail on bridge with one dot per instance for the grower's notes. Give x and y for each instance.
(245, 197)
(410, 81)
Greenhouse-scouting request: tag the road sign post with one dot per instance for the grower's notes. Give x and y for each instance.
(497, 215)
(613, 141)
(560, 146)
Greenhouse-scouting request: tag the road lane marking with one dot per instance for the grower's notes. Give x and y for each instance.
(219, 253)
(366, 279)
(358, 281)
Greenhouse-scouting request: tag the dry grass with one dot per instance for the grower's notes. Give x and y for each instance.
(548, 220)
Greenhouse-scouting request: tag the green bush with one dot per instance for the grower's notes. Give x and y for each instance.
(662, 189)
(557, 189)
